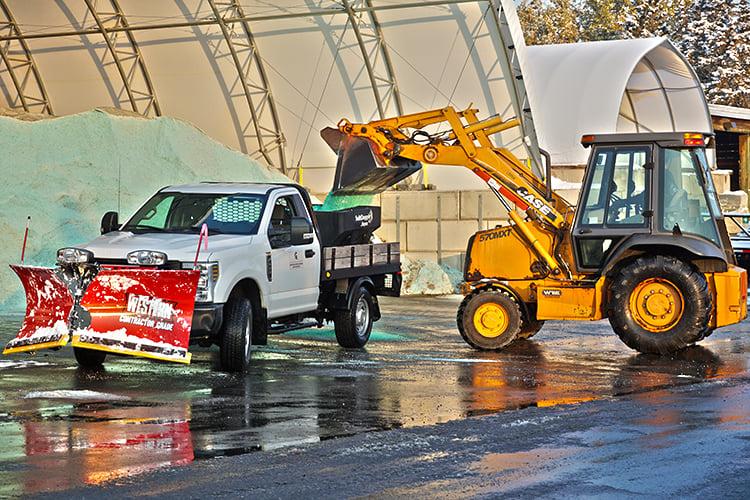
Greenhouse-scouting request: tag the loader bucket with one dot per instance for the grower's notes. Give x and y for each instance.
(359, 170)
(140, 312)
(48, 305)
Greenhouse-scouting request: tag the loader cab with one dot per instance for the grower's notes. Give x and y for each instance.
(647, 189)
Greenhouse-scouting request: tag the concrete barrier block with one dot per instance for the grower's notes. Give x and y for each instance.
(569, 174)
(420, 205)
(421, 236)
(388, 206)
(421, 256)
(491, 207)
(455, 235)
(722, 180)
(569, 195)
(733, 201)
(387, 232)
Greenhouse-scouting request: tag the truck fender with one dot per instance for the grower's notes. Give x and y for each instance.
(344, 301)
(248, 277)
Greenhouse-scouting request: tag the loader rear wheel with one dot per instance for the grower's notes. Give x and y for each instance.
(488, 320)
(236, 339)
(353, 326)
(659, 305)
(529, 329)
(89, 358)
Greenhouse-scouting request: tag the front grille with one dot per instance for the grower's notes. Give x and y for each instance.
(170, 265)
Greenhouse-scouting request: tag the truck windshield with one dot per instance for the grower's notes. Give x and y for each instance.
(187, 212)
(688, 196)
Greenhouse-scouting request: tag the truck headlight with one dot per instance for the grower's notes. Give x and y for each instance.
(209, 275)
(147, 258)
(72, 255)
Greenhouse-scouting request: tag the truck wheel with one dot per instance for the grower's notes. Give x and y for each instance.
(529, 329)
(89, 358)
(488, 320)
(353, 327)
(234, 349)
(659, 305)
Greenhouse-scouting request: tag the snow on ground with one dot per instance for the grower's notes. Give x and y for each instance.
(80, 395)
(426, 277)
(9, 364)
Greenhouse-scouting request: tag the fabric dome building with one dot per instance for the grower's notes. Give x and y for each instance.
(265, 77)
(642, 85)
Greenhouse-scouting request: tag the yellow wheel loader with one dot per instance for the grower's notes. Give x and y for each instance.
(646, 247)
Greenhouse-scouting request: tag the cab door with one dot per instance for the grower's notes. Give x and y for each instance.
(294, 269)
(615, 202)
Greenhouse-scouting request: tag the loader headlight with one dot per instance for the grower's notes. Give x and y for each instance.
(72, 255)
(209, 275)
(147, 258)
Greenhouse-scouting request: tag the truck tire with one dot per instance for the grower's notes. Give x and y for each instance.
(89, 358)
(353, 326)
(236, 338)
(488, 320)
(659, 305)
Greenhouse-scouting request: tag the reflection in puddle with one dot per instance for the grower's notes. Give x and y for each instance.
(135, 416)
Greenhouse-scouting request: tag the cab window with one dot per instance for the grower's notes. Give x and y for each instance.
(280, 228)
(686, 188)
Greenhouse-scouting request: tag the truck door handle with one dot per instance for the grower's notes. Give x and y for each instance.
(309, 253)
(585, 230)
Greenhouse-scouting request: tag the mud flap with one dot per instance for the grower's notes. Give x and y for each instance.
(140, 312)
(359, 170)
(48, 305)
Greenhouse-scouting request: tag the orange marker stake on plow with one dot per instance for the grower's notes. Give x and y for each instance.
(25, 238)
(203, 238)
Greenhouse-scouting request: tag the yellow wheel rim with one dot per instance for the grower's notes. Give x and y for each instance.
(491, 320)
(656, 304)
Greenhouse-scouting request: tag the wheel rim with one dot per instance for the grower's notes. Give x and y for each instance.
(491, 320)
(362, 316)
(656, 304)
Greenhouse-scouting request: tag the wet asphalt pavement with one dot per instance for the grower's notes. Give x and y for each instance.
(549, 420)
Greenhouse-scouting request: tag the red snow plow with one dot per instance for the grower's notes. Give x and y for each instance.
(98, 309)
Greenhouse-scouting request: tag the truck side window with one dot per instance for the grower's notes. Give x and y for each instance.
(280, 229)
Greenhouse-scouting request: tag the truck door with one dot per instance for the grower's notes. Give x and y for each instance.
(615, 202)
(295, 269)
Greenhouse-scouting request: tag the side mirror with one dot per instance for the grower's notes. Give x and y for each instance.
(302, 231)
(110, 222)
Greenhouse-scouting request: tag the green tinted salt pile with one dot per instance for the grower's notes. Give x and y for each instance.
(66, 172)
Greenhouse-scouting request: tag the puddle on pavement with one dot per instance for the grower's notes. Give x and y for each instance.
(136, 416)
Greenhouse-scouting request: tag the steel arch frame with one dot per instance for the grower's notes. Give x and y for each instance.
(364, 16)
(268, 133)
(128, 75)
(29, 102)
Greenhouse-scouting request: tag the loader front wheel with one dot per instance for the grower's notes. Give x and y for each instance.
(236, 338)
(659, 305)
(488, 320)
(89, 358)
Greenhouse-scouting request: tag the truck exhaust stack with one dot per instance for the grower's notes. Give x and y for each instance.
(359, 170)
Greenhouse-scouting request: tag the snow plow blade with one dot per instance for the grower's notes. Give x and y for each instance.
(137, 312)
(140, 312)
(48, 305)
(359, 170)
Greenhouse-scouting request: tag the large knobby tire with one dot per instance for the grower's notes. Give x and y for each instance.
(89, 358)
(236, 338)
(529, 328)
(659, 305)
(488, 320)
(353, 326)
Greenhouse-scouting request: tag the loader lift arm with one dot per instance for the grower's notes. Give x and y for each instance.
(467, 143)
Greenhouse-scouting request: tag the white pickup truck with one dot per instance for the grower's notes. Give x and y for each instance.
(272, 264)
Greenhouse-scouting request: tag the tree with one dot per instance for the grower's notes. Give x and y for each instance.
(601, 19)
(649, 18)
(545, 22)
